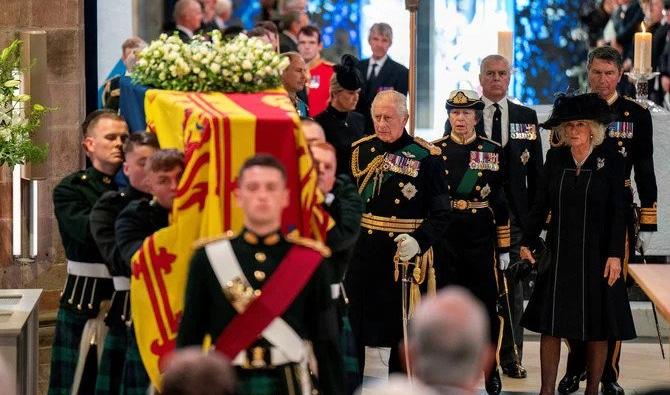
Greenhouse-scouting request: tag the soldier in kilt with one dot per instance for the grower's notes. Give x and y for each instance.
(88, 281)
(137, 149)
(139, 220)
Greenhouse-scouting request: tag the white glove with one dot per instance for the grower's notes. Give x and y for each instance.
(503, 261)
(643, 241)
(408, 247)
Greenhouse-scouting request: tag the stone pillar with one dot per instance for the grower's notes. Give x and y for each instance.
(63, 20)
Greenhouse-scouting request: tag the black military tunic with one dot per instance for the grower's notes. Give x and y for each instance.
(479, 229)
(139, 220)
(207, 311)
(403, 190)
(341, 129)
(88, 281)
(111, 93)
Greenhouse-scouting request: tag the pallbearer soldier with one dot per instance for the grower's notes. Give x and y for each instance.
(88, 281)
(139, 220)
(401, 182)
(478, 238)
(137, 149)
(260, 295)
(632, 136)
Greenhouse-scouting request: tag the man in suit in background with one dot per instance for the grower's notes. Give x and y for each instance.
(380, 71)
(626, 20)
(515, 127)
(291, 23)
(188, 18)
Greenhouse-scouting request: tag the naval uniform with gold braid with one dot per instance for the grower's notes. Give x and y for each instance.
(632, 136)
(88, 281)
(480, 229)
(210, 307)
(403, 190)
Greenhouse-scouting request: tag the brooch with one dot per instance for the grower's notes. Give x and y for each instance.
(485, 191)
(525, 156)
(409, 191)
(601, 163)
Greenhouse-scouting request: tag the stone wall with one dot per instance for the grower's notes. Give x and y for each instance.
(63, 20)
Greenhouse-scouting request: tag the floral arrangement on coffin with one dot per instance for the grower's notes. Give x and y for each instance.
(16, 129)
(241, 64)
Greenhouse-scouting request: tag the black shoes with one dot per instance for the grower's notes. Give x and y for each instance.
(514, 370)
(612, 388)
(570, 382)
(493, 384)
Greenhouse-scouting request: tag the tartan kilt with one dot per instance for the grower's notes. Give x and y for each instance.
(65, 350)
(112, 361)
(135, 380)
(352, 375)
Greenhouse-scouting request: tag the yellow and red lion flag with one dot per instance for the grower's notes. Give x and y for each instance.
(217, 133)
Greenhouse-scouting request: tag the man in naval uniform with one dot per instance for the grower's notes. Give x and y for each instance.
(260, 295)
(632, 136)
(137, 149)
(88, 281)
(401, 182)
(111, 93)
(139, 220)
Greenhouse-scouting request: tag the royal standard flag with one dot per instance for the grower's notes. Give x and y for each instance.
(217, 133)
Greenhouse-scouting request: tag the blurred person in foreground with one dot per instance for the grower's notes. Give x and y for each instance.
(190, 371)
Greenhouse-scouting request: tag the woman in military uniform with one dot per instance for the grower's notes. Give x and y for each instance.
(580, 293)
(470, 248)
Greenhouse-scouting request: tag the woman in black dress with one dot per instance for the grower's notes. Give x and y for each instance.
(579, 293)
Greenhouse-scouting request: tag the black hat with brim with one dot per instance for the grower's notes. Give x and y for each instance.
(347, 73)
(463, 98)
(588, 106)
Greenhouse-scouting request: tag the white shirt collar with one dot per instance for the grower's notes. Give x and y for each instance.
(186, 30)
(379, 62)
(488, 103)
(219, 22)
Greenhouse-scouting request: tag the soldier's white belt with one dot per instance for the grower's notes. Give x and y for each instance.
(390, 224)
(84, 269)
(121, 283)
(467, 205)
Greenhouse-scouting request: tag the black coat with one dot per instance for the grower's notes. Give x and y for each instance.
(286, 43)
(374, 295)
(341, 129)
(626, 23)
(572, 299)
(139, 220)
(392, 75)
(523, 157)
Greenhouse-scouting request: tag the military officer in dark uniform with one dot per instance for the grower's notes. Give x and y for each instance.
(400, 180)
(339, 121)
(514, 127)
(137, 149)
(231, 276)
(139, 220)
(88, 281)
(632, 136)
(477, 241)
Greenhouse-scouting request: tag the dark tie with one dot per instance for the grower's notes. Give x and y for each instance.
(372, 80)
(496, 128)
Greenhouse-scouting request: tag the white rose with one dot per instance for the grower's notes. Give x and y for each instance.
(248, 76)
(162, 76)
(197, 57)
(246, 65)
(202, 74)
(215, 68)
(196, 70)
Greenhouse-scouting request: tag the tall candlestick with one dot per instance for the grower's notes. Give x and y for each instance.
(506, 45)
(642, 58)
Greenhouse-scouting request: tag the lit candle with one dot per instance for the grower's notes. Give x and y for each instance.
(506, 45)
(642, 58)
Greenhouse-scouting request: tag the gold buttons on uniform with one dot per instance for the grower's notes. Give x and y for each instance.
(397, 201)
(369, 231)
(257, 293)
(620, 143)
(480, 174)
(446, 172)
(372, 149)
(260, 257)
(478, 188)
(474, 211)
(444, 157)
(402, 184)
(626, 113)
(259, 275)
(391, 234)
(480, 146)
(444, 144)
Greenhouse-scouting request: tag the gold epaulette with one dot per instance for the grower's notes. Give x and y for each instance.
(432, 148)
(206, 240)
(442, 140)
(489, 140)
(316, 245)
(362, 140)
(643, 105)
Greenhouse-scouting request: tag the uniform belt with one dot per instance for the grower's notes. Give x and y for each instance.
(390, 224)
(626, 183)
(257, 358)
(121, 283)
(467, 205)
(84, 269)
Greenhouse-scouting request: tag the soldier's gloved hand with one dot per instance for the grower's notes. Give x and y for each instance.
(643, 241)
(408, 247)
(503, 261)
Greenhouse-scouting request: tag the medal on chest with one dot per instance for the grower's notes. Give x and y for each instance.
(401, 165)
(522, 131)
(484, 161)
(621, 130)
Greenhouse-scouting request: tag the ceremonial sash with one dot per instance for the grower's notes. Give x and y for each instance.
(277, 294)
(416, 153)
